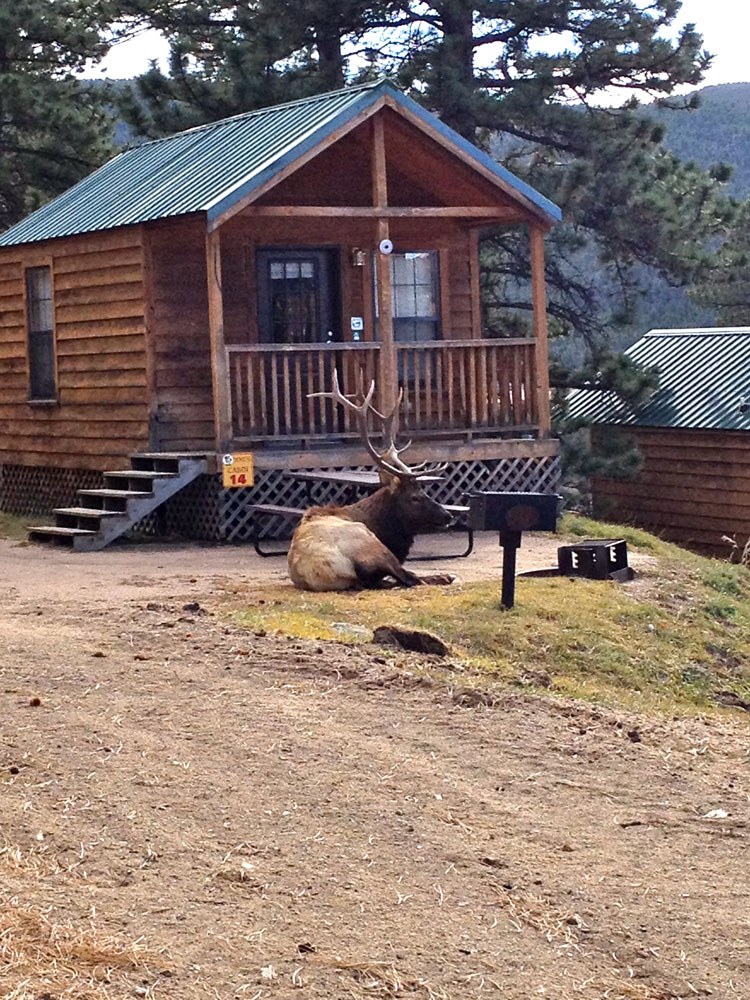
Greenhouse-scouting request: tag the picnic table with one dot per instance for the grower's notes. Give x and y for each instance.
(356, 482)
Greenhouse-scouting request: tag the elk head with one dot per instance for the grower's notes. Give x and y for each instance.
(410, 507)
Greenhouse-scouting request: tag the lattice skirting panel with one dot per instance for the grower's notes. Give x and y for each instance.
(34, 491)
(273, 486)
(205, 511)
(195, 512)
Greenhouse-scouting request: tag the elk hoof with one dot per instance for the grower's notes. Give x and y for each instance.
(440, 579)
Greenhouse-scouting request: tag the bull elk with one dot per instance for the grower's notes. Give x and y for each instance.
(359, 545)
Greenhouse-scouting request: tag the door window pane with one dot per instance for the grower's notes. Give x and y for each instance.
(294, 304)
(41, 345)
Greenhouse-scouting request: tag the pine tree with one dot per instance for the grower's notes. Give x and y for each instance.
(519, 76)
(226, 58)
(725, 285)
(53, 129)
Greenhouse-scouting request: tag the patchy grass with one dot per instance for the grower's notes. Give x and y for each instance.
(16, 528)
(669, 641)
(575, 526)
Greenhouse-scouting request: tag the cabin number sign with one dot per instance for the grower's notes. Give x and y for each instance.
(237, 470)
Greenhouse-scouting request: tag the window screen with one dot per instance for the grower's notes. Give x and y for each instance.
(42, 383)
(415, 291)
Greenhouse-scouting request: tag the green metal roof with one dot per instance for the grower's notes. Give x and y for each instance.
(704, 377)
(210, 168)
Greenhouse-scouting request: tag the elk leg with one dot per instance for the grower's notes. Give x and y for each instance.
(371, 573)
(404, 577)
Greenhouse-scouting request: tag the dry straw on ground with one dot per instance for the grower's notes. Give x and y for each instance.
(42, 954)
(383, 980)
(612, 988)
(534, 911)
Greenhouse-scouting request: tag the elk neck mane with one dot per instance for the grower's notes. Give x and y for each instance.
(378, 513)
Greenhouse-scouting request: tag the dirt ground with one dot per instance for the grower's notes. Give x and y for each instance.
(273, 818)
(132, 571)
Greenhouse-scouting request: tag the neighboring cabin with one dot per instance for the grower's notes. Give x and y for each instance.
(190, 294)
(694, 434)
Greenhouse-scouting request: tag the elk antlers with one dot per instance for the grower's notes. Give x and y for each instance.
(388, 460)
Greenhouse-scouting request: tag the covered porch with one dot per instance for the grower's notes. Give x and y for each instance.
(361, 259)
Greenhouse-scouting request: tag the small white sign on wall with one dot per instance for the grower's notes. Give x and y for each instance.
(358, 324)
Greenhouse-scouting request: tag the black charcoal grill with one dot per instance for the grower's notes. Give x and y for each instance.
(511, 514)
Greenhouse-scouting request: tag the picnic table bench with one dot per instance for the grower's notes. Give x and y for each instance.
(357, 482)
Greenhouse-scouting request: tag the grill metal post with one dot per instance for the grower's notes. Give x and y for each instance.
(511, 543)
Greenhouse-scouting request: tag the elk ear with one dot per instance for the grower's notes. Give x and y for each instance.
(394, 484)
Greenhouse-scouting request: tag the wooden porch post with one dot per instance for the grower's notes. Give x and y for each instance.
(219, 368)
(388, 390)
(539, 302)
(476, 295)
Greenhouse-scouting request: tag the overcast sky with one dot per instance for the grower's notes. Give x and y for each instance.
(724, 30)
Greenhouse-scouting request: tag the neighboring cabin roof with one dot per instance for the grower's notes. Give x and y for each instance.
(703, 375)
(210, 168)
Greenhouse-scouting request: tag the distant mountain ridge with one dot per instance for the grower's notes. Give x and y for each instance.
(717, 132)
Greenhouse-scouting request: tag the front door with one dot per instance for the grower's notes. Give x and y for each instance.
(298, 296)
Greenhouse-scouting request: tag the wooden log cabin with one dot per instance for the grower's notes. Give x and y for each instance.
(694, 435)
(187, 297)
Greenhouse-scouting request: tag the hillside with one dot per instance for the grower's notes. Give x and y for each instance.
(718, 132)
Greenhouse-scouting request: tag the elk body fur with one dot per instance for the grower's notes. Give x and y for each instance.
(330, 552)
(359, 545)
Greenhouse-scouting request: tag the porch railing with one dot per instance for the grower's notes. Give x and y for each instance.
(468, 385)
(449, 386)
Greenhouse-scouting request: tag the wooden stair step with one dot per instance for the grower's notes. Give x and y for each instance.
(84, 512)
(119, 494)
(141, 474)
(169, 454)
(54, 529)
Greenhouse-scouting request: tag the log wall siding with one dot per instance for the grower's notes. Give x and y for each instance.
(131, 328)
(241, 237)
(693, 489)
(178, 335)
(102, 376)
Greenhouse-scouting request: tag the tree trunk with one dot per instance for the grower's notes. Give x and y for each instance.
(330, 59)
(454, 67)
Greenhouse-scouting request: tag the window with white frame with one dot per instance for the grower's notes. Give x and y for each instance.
(415, 291)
